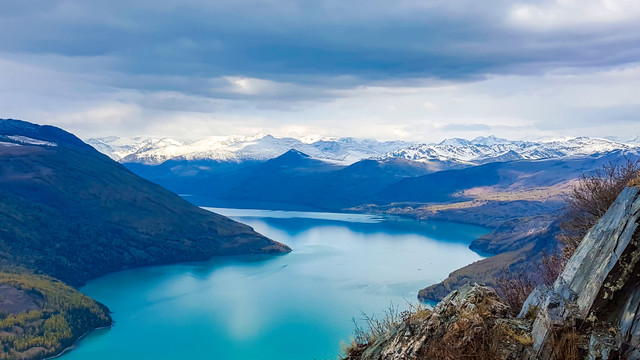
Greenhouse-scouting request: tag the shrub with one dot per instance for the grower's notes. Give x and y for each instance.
(515, 286)
(591, 198)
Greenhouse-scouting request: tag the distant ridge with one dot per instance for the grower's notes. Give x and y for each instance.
(346, 151)
(152, 151)
(491, 149)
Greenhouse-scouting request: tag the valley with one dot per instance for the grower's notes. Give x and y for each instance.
(320, 180)
(515, 188)
(473, 204)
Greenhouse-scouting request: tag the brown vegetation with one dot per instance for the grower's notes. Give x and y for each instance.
(52, 317)
(590, 199)
(470, 323)
(515, 286)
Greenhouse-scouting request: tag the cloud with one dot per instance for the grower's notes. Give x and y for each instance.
(457, 128)
(418, 69)
(294, 39)
(563, 14)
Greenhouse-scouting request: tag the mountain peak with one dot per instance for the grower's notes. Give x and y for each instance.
(489, 140)
(294, 154)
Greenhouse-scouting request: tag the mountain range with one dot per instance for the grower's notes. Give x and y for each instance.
(346, 151)
(154, 151)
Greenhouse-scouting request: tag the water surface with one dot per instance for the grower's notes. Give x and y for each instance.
(290, 307)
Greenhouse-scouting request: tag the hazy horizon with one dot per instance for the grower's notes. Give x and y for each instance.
(310, 138)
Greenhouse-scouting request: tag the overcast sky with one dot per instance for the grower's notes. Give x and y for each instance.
(397, 69)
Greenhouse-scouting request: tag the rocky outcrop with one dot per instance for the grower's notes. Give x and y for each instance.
(598, 289)
(469, 322)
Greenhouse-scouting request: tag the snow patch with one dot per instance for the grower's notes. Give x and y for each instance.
(30, 141)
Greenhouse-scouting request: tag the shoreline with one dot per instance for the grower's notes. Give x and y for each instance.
(77, 341)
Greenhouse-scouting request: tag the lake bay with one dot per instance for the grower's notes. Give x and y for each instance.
(290, 307)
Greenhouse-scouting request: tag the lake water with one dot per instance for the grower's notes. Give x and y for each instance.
(290, 307)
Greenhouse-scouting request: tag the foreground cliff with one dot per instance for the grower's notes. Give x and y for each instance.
(598, 293)
(592, 311)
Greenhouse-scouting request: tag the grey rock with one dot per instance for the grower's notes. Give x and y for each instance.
(602, 347)
(534, 301)
(599, 285)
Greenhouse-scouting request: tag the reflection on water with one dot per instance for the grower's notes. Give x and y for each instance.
(292, 307)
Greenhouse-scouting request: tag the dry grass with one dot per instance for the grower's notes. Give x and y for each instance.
(374, 328)
(566, 345)
(470, 341)
(634, 182)
(546, 193)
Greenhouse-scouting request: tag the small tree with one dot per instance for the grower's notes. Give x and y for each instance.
(591, 198)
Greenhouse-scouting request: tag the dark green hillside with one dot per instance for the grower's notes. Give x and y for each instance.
(73, 213)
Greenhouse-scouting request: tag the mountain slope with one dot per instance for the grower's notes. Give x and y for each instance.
(75, 214)
(448, 185)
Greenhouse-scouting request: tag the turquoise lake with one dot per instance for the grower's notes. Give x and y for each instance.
(290, 307)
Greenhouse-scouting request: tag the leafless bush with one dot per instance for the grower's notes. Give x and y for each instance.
(515, 286)
(591, 198)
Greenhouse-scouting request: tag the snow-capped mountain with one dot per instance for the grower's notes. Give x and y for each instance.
(117, 147)
(489, 149)
(153, 151)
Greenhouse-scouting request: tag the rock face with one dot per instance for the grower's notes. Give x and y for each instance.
(599, 288)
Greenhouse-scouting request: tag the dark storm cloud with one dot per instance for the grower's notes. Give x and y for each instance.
(303, 40)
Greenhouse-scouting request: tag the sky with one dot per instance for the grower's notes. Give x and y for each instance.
(397, 69)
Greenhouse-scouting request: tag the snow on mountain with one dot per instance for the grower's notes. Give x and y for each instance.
(15, 140)
(240, 148)
(346, 151)
(488, 149)
(117, 147)
(30, 141)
